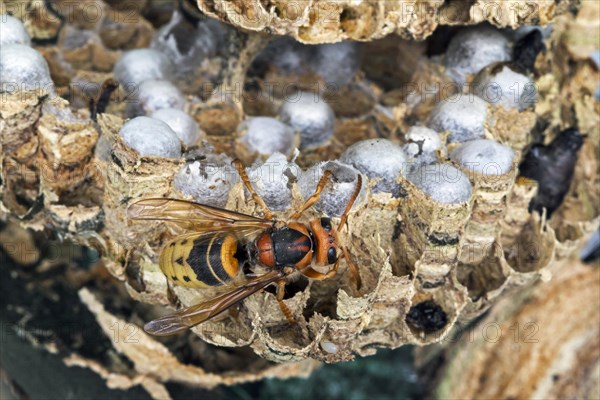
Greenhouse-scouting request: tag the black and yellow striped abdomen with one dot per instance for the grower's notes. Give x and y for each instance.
(202, 261)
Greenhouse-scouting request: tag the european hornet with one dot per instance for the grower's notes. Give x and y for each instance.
(225, 244)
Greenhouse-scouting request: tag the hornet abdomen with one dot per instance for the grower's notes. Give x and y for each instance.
(202, 261)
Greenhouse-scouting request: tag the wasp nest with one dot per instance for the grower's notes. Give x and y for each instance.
(443, 224)
(324, 21)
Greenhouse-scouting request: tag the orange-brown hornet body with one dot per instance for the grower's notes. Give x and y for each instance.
(221, 243)
(297, 245)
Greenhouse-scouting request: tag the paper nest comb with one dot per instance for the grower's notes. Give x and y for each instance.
(322, 21)
(409, 249)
